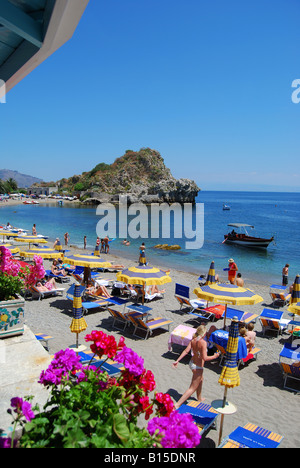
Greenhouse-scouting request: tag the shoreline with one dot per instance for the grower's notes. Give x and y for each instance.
(250, 277)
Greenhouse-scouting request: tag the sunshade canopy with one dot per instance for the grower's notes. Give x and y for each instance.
(294, 308)
(295, 298)
(228, 294)
(89, 261)
(144, 275)
(44, 253)
(230, 375)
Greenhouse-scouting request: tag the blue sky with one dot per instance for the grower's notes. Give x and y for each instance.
(206, 83)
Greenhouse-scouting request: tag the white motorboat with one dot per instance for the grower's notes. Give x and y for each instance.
(242, 237)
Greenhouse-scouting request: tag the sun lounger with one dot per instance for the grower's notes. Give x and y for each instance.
(182, 294)
(291, 370)
(150, 297)
(280, 295)
(244, 317)
(148, 326)
(118, 317)
(70, 292)
(45, 338)
(34, 290)
(217, 310)
(250, 356)
(63, 279)
(113, 368)
(251, 436)
(271, 320)
(203, 414)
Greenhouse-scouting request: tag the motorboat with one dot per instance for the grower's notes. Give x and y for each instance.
(226, 206)
(242, 237)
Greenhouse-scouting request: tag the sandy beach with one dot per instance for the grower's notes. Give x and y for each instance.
(259, 399)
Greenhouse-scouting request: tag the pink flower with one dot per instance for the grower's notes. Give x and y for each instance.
(178, 430)
(22, 408)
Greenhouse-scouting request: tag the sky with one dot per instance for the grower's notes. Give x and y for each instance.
(207, 83)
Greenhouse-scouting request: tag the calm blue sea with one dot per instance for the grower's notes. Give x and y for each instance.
(275, 214)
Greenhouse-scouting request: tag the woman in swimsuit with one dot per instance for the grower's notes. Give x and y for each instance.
(198, 346)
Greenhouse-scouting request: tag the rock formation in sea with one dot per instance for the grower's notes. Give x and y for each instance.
(142, 176)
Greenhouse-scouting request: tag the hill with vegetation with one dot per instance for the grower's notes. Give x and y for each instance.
(141, 175)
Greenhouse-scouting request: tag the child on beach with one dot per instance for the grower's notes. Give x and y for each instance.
(250, 336)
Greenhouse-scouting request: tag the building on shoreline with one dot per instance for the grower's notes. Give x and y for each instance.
(40, 190)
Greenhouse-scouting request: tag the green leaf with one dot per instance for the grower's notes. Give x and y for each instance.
(120, 427)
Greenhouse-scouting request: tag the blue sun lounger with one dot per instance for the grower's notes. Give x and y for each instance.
(251, 436)
(203, 414)
(113, 368)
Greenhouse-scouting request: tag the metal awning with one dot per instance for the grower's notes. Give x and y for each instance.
(239, 225)
(31, 30)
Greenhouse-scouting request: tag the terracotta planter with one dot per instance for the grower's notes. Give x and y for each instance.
(12, 317)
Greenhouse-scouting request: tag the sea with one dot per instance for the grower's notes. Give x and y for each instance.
(272, 214)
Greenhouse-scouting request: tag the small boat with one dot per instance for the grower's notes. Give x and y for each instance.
(241, 237)
(226, 207)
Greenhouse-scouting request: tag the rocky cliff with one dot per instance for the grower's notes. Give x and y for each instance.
(141, 175)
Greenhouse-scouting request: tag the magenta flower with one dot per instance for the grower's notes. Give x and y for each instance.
(22, 408)
(132, 361)
(178, 430)
(63, 363)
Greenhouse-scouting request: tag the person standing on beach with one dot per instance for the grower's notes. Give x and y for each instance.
(67, 238)
(106, 244)
(142, 258)
(285, 275)
(34, 233)
(198, 346)
(232, 270)
(84, 242)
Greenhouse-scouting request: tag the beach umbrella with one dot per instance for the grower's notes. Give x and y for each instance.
(144, 276)
(226, 293)
(296, 291)
(89, 261)
(229, 377)
(8, 234)
(294, 308)
(42, 252)
(211, 277)
(31, 240)
(10, 247)
(78, 324)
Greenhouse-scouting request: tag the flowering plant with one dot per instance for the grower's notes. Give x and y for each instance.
(14, 277)
(89, 408)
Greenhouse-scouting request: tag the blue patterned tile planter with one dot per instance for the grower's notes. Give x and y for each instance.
(12, 317)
